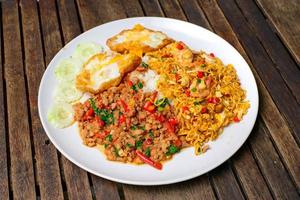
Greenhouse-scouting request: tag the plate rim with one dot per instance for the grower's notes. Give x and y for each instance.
(151, 183)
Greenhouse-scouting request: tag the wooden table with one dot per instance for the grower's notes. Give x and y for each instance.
(265, 32)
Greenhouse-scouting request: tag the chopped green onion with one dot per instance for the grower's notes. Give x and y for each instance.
(194, 89)
(172, 150)
(142, 128)
(160, 109)
(140, 85)
(105, 146)
(138, 143)
(134, 88)
(104, 114)
(133, 127)
(198, 80)
(196, 103)
(116, 151)
(151, 134)
(145, 65)
(109, 137)
(128, 145)
(147, 152)
(203, 65)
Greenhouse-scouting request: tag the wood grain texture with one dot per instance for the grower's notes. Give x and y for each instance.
(271, 165)
(21, 164)
(172, 9)
(275, 48)
(77, 186)
(193, 13)
(151, 7)
(132, 8)
(105, 189)
(4, 182)
(275, 122)
(285, 16)
(264, 66)
(48, 172)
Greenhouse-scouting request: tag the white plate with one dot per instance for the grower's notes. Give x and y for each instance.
(184, 165)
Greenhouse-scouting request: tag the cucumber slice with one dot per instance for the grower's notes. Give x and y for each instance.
(67, 69)
(61, 115)
(66, 91)
(86, 50)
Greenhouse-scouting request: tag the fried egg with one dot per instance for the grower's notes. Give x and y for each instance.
(138, 40)
(105, 70)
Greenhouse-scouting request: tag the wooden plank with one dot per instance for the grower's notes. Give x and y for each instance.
(285, 15)
(226, 185)
(273, 119)
(249, 174)
(48, 173)
(151, 7)
(132, 8)
(4, 182)
(172, 9)
(281, 134)
(105, 189)
(193, 12)
(197, 188)
(52, 41)
(271, 165)
(22, 172)
(275, 48)
(93, 13)
(264, 66)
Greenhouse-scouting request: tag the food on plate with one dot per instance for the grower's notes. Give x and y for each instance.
(61, 115)
(66, 91)
(67, 69)
(105, 70)
(150, 97)
(132, 125)
(205, 93)
(86, 50)
(139, 40)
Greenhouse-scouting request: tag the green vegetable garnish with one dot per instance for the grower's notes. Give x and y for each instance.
(198, 80)
(196, 103)
(161, 102)
(104, 114)
(116, 151)
(138, 143)
(105, 146)
(142, 128)
(145, 65)
(194, 89)
(151, 134)
(160, 108)
(140, 85)
(109, 137)
(133, 127)
(134, 88)
(172, 150)
(203, 65)
(147, 152)
(128, 145)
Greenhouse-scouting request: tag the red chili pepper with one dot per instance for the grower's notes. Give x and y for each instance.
(122, 119)
(213, 100)
(173, 121)
(148, 141)
(212, 54)
(122, 103)
(180, 46)
(204, 110)
(160, 118)
(147, 160)
(101, 135)
(200, 74)
(185, 108)
(154, 95)
(100, 122)
(169, 127)
(90, 112)
(236, 119)
(177, 77)
(149, 107)
(130, 83)
(188, 93)
(178, 143)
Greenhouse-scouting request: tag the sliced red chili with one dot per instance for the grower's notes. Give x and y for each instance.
(178, 143)
(170, 128)
(148, 141)
(160, 118)
(177, 77)
(180, 46)
(204, 110)
(122, 103)
(212, 54)
(130, 83)
(188, 93)
(236, 119)
(200, 74)
(102, 135)
(173, 121)
(185, 108)
(213, 100)
(149, 107)
(147, 160)
(122, 119)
